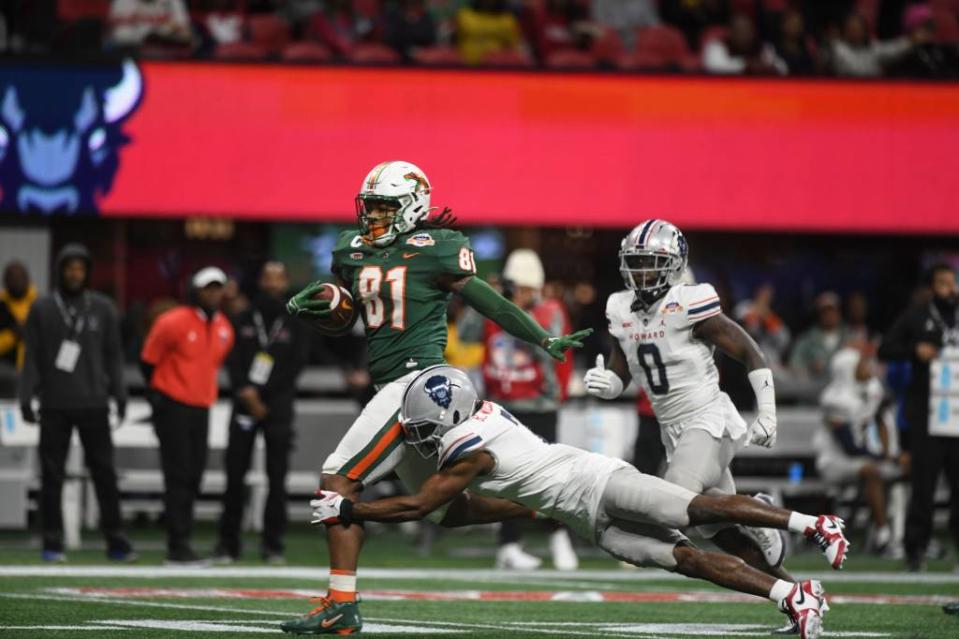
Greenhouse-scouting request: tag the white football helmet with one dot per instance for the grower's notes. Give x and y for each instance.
(395, 185)
(438, 399)
(652, 259)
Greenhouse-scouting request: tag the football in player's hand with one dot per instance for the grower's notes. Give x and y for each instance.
(343, 312)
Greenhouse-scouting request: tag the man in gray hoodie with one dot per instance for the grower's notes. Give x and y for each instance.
(73, 363)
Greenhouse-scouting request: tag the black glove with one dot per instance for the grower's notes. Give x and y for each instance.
(27, 414)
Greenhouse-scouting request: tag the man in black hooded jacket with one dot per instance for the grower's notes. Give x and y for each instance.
(925, 335)
(73, 363)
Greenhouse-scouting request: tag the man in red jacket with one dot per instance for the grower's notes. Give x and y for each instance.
(181, 356)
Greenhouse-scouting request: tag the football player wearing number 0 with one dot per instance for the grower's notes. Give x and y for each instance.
(402, 270)
(665, 335)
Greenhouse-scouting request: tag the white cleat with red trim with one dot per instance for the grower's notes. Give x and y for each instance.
(805, 604)
(828, 536)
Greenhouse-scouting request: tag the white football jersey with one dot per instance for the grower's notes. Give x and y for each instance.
(562, 482)
(676, 370)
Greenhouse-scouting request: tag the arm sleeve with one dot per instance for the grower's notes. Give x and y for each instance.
(898, 343)
(510, 317)
(30, 376)
(113, 355)
(158, 342)
(701, 302)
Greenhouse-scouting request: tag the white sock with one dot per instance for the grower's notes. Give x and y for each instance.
(780, 591)
(799, 522)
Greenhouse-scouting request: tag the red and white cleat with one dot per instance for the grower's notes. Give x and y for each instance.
(804, 605)
(828, 536)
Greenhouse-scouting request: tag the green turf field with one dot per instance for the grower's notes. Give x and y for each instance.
(450, 593)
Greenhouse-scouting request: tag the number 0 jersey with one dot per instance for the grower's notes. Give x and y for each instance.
(395, 290)
(675, 369)
(562, 482)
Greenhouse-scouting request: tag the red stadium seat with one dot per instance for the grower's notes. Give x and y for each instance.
(372, 53)
(438, 56)
(570, 59)
(306, 52)
(69, 10)
(241, 51)
(947, 28)
(608, 47)
(512, 58)
(658, 48)
(269, 31)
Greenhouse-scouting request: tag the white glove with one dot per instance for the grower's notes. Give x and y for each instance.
(762, 430)
(603, 383)
(326, 509)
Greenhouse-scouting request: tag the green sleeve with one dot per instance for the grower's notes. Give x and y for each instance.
(509, 316)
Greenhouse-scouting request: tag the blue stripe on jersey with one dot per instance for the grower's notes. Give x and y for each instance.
(642, 234)
(462, 448)
(703, 309)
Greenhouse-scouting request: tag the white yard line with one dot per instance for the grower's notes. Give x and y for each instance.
(413, 574)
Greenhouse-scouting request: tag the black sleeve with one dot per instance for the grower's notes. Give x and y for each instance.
(899, 342)
(235, 369)
(30, 375)
(146, 370)
(113, 354)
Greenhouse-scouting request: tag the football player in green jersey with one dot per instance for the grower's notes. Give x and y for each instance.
(402, 272)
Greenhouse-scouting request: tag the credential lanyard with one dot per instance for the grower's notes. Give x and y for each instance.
(76, 320)
(261, 334)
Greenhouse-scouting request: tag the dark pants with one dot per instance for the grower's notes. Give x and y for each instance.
(93, 426)
(182, 431)
(649, 453)
(930, 457)
(278, 437)
(544, 425)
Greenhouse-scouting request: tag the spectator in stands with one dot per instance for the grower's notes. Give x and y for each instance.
(181, 356)
(764, 325)
(927, 58)
(693, 17)
(16, 298)
(741, 52)
(856, 53)
(626, 16)
(270, 352)
(221, 21)
(444, 14)
(793, 46)
(531, 385)
(927, 335)
(339, 26)
(137, 22)
(73, 362)
(407, 25)
(484, 27)
(857, 317)
(851, 413)
(815, 347)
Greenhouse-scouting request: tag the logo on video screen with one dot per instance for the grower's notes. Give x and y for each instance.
(61, 131)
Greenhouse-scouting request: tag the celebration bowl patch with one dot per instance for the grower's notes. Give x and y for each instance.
(421, 239)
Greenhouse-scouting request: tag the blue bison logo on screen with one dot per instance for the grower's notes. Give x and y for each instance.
(61, 131)
(440, 390)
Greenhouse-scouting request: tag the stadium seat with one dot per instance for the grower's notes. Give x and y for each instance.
(947, 28)
(70, 10)
(306, 52)
(373, 53)
(438, 56)
(570, 59)
(608, 48)
(511, 58)
(661, 46)
(240, 51)
(268, 31)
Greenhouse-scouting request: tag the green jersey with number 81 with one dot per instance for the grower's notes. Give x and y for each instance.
(396, 290)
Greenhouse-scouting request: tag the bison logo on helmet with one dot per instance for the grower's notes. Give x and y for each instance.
(439, 388)
(61, 135)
